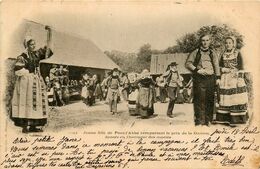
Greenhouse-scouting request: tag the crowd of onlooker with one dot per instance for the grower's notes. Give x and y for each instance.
(90, 88)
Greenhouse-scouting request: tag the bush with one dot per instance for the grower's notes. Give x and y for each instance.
(10, 82)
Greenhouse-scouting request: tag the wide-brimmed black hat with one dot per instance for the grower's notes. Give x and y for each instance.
(115, 70)
(87, 72)
(173, 64)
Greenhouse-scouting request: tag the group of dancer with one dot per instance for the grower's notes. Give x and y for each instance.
(144, 91)
(57, 84)
(209, 73)
(139, 90)
(91, 89)
(184, 90)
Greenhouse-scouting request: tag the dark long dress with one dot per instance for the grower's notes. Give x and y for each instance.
(146, 97)
(87, 92)
(98, 90)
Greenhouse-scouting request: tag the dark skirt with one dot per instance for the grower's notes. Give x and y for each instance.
(145, 112)
(98, 92)
(145, 102)
(225, 115)
(23, 122)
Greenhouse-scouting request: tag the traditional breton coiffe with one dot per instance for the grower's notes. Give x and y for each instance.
(233, 91)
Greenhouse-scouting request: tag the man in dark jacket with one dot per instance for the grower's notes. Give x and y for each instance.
(204, 64)
(172, 81)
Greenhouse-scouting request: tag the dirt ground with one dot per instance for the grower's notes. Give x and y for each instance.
(78, 115)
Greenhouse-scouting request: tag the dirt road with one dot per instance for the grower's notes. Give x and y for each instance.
(78, 115)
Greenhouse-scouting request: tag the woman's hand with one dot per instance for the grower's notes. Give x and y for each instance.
(225, 70)
(202, 72)
(22, 72)
(218, 82)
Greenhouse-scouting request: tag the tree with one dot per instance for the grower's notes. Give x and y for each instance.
(144, 57)
(172, 49)
(126, 61)
(131, 62)
(190, 41)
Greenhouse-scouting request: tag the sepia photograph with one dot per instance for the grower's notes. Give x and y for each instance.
(89, 84)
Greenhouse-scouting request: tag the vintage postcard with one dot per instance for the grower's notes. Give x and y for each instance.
(130, 84)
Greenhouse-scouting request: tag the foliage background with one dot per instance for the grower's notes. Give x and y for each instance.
(130, 62)
(136, 62)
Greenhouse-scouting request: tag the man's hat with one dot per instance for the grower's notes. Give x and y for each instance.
(173, 64)
(86, 72)
(115, 70)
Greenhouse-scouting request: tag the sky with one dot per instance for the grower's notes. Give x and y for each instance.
(112, 30)
(128, 33)
(125, 27)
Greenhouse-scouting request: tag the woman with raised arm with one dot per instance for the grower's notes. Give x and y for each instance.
(30, 101)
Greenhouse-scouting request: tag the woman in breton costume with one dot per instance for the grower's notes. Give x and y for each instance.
(97, 87)
(30, 101)
(233, 90)
(146, 96)
(161, 90)
(180, 97)
(133, 93)
(125, 86)
(104, 86)
(87, 91)
(50, 91)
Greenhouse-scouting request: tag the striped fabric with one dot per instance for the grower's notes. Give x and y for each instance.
(233, 100)
(30, 98)
(132, 102)
(44, 96)
(50, 96)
